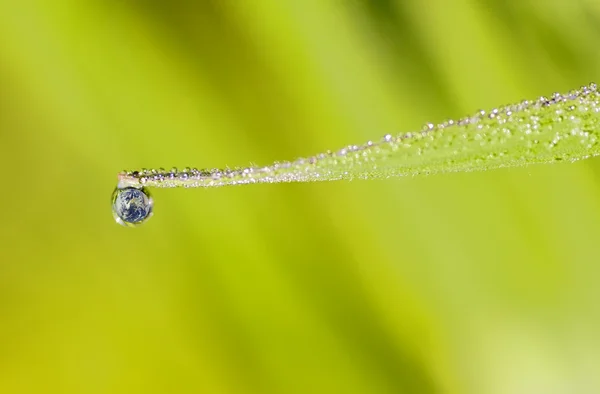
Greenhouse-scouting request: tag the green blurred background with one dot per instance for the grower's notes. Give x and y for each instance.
(459, 283)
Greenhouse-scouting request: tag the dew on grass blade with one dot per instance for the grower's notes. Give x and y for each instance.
(559, 128)
(131, 206)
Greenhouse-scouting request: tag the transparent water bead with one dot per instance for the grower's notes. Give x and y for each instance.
(131, 206)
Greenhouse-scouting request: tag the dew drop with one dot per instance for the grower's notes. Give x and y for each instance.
(131, 206)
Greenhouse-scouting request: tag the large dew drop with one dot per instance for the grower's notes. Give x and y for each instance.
(131, 206)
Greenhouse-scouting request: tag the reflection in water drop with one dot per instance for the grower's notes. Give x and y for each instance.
(131, 206)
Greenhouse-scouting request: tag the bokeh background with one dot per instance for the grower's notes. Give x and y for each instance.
(459, 283)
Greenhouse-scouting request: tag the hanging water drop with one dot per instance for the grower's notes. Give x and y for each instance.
(131, 206)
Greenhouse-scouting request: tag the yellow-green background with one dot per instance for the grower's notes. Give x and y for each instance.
(460, 283)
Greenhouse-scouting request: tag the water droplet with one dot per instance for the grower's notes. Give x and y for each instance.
(131, 206)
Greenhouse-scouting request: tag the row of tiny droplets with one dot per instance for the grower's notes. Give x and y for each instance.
(174, 175)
